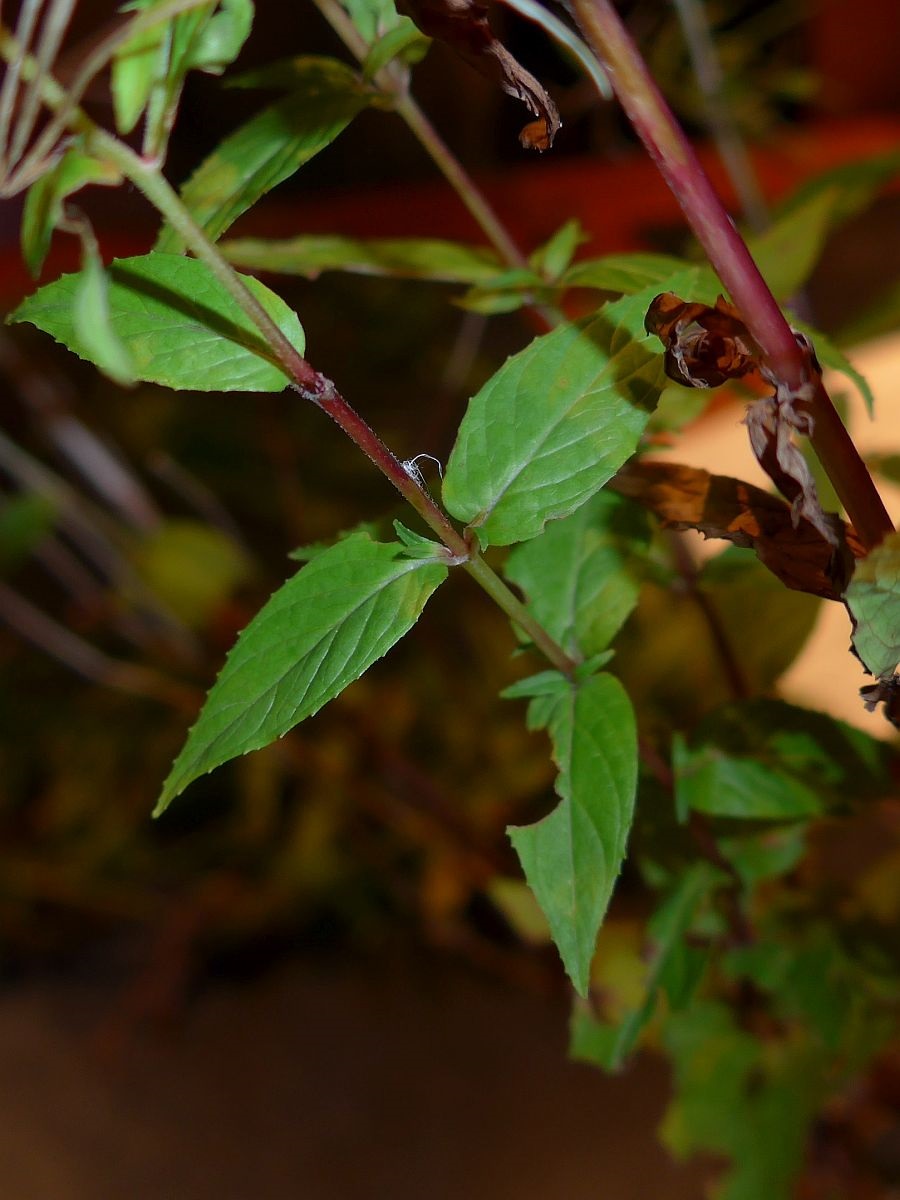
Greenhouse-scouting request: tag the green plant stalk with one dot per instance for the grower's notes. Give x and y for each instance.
(429, 138)
(732, 261)
(312, 384)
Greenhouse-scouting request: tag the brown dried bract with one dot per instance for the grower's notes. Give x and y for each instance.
(721, 507)
(463, 25)
(705, 346)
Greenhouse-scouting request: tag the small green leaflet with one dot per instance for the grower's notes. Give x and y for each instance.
(321, 630)
(402, 258)
(551, 259)
(572, 857)
(180, 327)
(789, 249)
(555, 423)
(373, 18)
(46, 197)
(404, 42)
(873, 598)
(852, 186)
(326, 95)
(92, 324)
(582, 574)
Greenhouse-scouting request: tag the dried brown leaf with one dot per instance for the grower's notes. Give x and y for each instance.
(721, 507)
(463, 25)
(705, 346)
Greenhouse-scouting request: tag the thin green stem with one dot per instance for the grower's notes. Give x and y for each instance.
(312, 384)
(517, 612)
(787, 361)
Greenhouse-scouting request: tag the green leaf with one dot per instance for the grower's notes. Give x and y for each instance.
(626, 273)
(148, 72)
(181, 328)
(544, 683)
(554, 424)
(372, 18)
(417, 546)
(767, 760)
(760, 854)
(404, 42)
(402, 258)
(675, 969)
(789, 249)
(852, 186)
(878, 316)
(221, 39)
(572, 857)
(138, 67)
(582, 574)
(271, 146)
(92, 324)
(46, 197)
(320, 631)
(551, 259)
(873, 598)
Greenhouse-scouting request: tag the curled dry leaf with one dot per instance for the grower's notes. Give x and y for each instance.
(722, 507)
(705, 346)
(771, 424)
(463, 25)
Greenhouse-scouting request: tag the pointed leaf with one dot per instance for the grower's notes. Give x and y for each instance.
(852, 185)
(583, 574)
(403, 258)
(628, 273)
(181, 328)
(551, 259)
(572, 857)
(555, 423)
(221, 39)
(271, 146)
(372, 18)
(873, 598)
(320, 631)
(789, 249)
